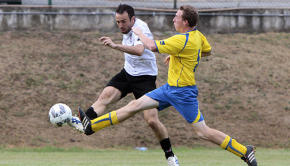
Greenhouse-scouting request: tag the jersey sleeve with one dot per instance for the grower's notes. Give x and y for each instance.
(205, 44)
(137, 40)
(172, 45)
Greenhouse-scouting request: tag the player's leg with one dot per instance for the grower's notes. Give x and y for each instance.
(226, 142)
(218, 137)
(114, 91)
(109, 95)
(185, 101)
(153, 99)
(141, 104)
(151, 117)
(115, 117)
(140, 86)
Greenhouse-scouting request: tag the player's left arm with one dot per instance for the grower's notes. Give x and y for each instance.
(134, 50)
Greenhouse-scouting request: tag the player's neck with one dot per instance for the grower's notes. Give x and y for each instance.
(185, 29)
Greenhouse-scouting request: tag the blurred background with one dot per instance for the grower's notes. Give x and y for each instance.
(217, 16)
(50, 53)
(166, 4)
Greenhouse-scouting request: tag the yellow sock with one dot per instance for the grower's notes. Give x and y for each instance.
(233, 146)
(104, 121)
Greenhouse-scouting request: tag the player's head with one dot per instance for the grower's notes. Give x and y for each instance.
(186, 17)
(125, 18)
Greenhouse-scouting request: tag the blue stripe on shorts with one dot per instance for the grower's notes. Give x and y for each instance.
(183, 99)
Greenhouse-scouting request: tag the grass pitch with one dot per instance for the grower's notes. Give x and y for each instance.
(130, 157)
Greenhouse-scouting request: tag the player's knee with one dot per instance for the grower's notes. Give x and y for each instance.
(108, 95)
(153, 123)
(135, 105)
(104, 100)
(204, 134)
(201, 135)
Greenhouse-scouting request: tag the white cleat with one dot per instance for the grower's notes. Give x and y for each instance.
(173, 161)
(76, 123)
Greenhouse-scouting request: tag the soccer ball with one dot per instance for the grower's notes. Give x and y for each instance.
(60, 114)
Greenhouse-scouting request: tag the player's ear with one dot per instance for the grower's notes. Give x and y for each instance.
(185, 22)
(133, 19)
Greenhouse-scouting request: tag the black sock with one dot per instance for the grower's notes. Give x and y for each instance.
(166, 146)
(91, 113)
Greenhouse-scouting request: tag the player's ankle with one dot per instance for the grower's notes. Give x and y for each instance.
(91, 113)
(166, 146)
(169, 154)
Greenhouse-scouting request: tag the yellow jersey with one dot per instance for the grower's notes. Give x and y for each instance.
(185, 51)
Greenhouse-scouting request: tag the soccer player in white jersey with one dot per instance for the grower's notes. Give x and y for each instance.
(138, 75)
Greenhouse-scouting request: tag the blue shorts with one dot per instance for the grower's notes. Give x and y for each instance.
(183, 99)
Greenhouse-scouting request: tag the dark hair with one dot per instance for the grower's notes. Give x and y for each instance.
(190, 14)
(125, 8)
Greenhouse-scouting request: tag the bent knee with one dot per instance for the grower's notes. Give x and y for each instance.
(201, 135)
(135, 104)
(151, 117)
(109, 95)
(152, 122)
(204, 134)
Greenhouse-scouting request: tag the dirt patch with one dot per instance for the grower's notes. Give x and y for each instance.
(243, 89)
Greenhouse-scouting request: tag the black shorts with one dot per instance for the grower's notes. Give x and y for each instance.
(138, 85)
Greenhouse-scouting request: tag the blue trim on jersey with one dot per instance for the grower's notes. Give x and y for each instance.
(186, 40)
(180, 74)
(156, 46)
(194, 29)
(187, 36)
(198, 59)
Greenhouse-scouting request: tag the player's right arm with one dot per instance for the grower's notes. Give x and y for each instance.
(206, 48)
(133, 50)
(148, 43)
(172, 45)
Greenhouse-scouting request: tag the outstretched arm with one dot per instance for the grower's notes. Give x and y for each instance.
(148, 43)
(134, 50)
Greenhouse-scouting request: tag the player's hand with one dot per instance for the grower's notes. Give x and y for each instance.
(137, 31)
(166, 60)
(107, 42)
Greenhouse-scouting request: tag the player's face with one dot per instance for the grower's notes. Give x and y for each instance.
(124, 23)
(179, 23)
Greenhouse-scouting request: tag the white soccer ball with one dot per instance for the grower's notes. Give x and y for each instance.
(60, 114)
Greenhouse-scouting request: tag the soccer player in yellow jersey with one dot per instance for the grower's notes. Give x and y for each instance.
(185, 50)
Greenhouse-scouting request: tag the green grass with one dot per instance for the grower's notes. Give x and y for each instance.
(50, 156)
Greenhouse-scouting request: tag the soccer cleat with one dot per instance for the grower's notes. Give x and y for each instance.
(76, 123)
(173, 161)
(249, 157)
(86, 122)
